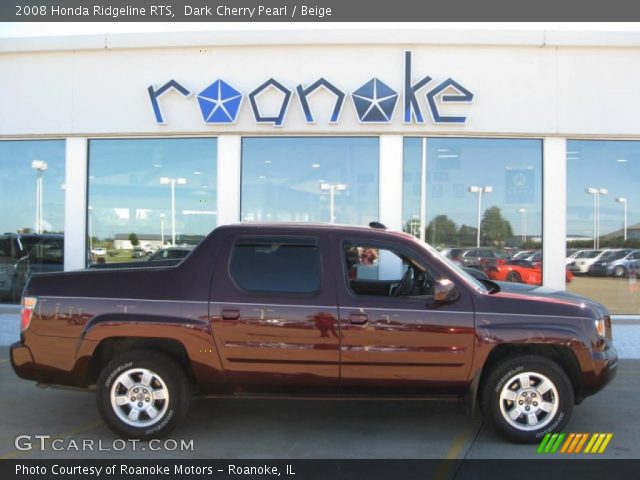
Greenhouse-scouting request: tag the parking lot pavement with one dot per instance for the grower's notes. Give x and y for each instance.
(291, 429)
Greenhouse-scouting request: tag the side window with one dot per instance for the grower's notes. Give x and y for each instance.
(384, 272)
(276, 266)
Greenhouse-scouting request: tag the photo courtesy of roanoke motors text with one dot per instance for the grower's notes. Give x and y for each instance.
(311, 240)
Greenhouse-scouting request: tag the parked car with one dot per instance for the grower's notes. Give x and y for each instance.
(138, 252)
(617, 263)
(13, 271)
(315, 310)
(520, 271)
(24, 254)
(453, 253)
(576, 255)
(583, 264)
(45, 252)
(99, 251)
(171, 253)
(479, 258)
(521, 255)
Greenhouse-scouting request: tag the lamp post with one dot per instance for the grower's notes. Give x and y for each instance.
(596, 192)
(332, 188)
(523, 212)
(162, 215)
(173, 182)
(39, 166)
(89, 215)
(480, 190)
(623, 201)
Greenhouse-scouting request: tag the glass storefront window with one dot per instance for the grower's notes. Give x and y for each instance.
(32, 175)
(482, 202)
(303, 179)
(603, 222)
(147, 195)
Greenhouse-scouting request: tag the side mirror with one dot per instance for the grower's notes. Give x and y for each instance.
(445, 291)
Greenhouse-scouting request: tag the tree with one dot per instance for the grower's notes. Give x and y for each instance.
(494, 228)
(133, 238)
(467, 236)
(441, 230)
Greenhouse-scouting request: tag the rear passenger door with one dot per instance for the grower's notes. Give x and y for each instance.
(274, 313)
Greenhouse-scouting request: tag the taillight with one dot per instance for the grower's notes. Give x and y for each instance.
(28, 307)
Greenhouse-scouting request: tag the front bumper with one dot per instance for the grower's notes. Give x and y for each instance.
(605, 368)
(22, 361)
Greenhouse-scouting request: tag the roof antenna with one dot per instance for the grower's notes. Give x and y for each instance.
(379, 225)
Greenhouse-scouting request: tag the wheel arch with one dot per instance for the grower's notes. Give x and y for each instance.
(110, 347)
(560, 354)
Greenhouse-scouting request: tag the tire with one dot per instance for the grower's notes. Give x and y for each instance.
(619, 272)
(158, 385)
(502, 393)
(514, 277)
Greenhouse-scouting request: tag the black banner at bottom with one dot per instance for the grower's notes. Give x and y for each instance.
(542, 468)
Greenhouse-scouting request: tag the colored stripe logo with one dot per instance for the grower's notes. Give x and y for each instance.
(574, 443)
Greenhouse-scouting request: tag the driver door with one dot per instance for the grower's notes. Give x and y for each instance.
(394, 335)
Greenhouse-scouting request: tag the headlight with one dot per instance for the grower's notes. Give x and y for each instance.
(601, 327)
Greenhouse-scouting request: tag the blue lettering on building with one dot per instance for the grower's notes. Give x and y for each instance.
(374, 102)
(154, 94)
(277, 120)
(303, 94)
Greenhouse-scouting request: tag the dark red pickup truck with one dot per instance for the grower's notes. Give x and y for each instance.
(308, 311)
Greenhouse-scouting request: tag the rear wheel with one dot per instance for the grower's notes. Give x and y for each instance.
(619, 272)
(526, 397)
(514, 277)
(142, 394)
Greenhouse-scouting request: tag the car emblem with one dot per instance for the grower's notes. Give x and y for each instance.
(219, 103)
(375, 102)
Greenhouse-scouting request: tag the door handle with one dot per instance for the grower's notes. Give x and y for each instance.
(230, 314)
(358, 318)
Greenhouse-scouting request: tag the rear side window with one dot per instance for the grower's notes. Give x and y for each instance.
(284, 266)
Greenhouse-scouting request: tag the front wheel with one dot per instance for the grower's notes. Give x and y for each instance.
(526, 397)
(142, 394)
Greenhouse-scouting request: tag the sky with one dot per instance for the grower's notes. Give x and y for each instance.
(35, 29)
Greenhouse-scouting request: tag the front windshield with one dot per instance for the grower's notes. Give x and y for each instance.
(592, 253)
(469, 278)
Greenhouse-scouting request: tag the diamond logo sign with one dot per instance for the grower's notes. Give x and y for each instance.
(375, 101)
(219, 102)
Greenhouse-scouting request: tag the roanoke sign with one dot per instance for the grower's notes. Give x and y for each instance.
(374, 101)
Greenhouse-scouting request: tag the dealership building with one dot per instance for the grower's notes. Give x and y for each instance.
(509, 139)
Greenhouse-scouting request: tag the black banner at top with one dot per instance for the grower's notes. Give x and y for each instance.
(316, 10)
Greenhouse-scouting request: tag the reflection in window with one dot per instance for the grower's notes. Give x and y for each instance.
(32, 176)
(149, 194)
(481, 199)
(603, 222)
(310, 180)
(266, 266)
(385, 273)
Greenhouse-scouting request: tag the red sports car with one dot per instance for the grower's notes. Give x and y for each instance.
(519, 271)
